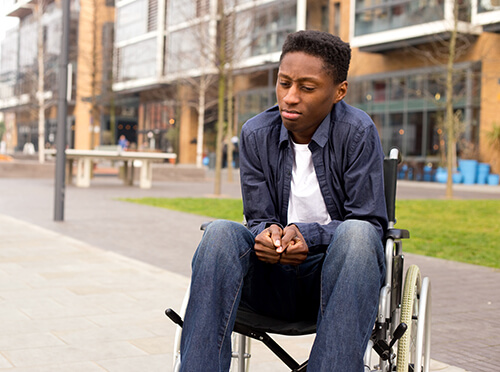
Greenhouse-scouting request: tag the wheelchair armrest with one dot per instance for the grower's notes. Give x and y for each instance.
(397, 234)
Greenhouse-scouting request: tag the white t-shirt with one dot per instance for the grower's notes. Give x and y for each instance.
(306, 203)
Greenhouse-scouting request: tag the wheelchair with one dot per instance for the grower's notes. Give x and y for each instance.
(401, 335)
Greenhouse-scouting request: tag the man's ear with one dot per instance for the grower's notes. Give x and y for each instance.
(341, 91)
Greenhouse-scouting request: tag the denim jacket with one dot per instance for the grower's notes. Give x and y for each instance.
(348, 160)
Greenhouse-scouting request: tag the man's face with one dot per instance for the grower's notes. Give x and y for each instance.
(306, 94)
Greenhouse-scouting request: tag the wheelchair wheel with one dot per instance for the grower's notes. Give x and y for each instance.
(414, 347)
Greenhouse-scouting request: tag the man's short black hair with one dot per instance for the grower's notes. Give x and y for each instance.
(335, 53)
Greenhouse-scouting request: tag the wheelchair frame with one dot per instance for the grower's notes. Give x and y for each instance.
(402, 330)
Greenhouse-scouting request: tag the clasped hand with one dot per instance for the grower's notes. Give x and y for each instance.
(286, 246)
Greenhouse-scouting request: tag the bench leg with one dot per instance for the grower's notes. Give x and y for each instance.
(130, 181)
(128, 172)
(146, 176)
(69, 171)
(83, 171)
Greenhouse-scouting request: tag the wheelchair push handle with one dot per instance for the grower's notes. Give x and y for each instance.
(174, 317)
(398, 333)
(383, 349)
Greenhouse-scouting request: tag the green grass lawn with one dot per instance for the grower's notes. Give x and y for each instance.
(459, 230)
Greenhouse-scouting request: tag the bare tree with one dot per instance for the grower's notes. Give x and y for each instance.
(218, 56)
(450, 119)
(451, 125)
(196, 54)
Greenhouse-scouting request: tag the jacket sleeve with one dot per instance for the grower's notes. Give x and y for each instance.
(259, 205)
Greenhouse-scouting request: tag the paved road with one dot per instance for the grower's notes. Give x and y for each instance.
(466, 298)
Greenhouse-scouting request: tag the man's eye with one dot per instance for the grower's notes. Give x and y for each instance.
(307, 88)
(284, 84)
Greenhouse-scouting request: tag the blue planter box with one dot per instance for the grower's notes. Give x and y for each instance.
(469, 170)
(483, 170)
(442, 176)
(493, 179)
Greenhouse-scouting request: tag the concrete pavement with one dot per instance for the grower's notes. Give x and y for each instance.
(89, 293)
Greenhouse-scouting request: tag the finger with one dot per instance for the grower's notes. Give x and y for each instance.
(265, 251)
(275, 233)
(293, 257)
(289, 237)
(269, 257)
(264, 238)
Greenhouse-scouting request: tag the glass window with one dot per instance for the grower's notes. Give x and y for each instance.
(27, 42)
(378, 119)
(180, 11)
(137, 60)
(414, 134)
(252, 102)
(131, 20)
(8, 58)
(243, 33)
(379, 90)
(185, 49)
(415, 86)
(393, 133)
(337, 19)
(271, 26)
(436, 85)
(412, 115)
(354, 93)
(435, 135)
(53, 27)
(376, 15)
(459, 83)
(397, 88)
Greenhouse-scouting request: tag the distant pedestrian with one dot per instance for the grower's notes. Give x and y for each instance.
(123, 142)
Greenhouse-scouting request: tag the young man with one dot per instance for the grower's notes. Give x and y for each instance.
(313, 197)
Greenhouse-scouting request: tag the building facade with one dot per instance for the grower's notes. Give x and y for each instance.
(19, 72)
(165, 52)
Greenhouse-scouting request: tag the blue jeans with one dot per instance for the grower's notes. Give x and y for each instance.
(339, 288)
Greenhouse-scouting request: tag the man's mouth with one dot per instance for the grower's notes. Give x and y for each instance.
(290, 114)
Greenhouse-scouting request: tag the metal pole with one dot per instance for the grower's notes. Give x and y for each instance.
(62, 113)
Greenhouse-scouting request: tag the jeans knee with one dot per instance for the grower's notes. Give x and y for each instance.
(358, 239)
(218, 227)
(223, 240)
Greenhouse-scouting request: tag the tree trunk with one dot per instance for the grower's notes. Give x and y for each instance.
(230, 120)
(450, 130)
(220, 133)
(221, 100)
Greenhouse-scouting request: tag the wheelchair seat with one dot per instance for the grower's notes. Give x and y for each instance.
(248, 321)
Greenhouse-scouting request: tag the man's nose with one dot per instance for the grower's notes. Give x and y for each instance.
(292, 95)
